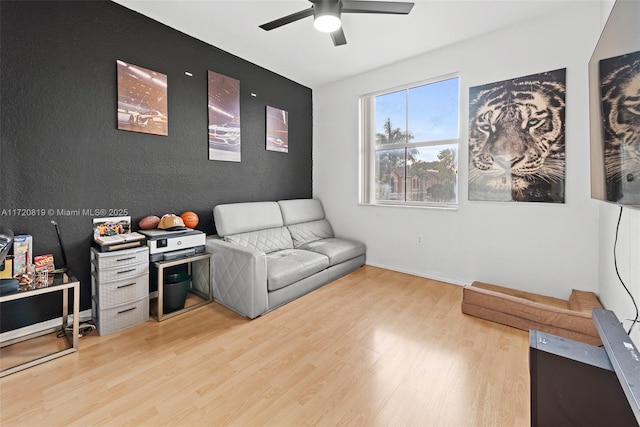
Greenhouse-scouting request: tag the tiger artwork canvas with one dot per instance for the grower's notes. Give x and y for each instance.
(620, 97)
(517, 139)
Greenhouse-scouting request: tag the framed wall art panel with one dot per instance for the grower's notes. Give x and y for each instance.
(620, 97)
(142, 100)
(224, 118)
(277, 130)
(517, 139)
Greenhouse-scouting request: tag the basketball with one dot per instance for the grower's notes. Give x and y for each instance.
(148, 222)
(190, 219)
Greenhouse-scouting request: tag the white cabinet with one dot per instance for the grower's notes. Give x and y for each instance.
(119, 288)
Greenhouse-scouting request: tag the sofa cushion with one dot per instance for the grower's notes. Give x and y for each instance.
(269, 240)
(236, 218)
(337, 250)
(291, 265)
(301, 210)
(306, 232)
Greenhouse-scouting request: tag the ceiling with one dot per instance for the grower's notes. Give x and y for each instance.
(306, 56)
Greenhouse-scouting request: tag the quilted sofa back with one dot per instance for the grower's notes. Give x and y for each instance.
(267, 241)
(301, 210)
(305, 220)
(235, 218)
(272, 226)
(255, 224)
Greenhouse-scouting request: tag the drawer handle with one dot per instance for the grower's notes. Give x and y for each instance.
(126, 271)
(126, 286)
(125, 259)
(128, 309)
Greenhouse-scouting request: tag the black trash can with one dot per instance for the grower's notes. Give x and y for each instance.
(174, 292)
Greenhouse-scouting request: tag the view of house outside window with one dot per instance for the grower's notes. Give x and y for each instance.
(411, 144)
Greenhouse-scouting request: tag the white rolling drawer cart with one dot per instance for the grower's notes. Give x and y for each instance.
(119, 288)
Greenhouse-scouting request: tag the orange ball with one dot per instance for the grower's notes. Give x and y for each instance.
(190, 219)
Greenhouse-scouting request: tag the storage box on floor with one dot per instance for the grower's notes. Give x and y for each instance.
(119, 288)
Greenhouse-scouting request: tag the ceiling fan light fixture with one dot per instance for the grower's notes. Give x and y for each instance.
(326, 16)
(327, 23)
(327, 13)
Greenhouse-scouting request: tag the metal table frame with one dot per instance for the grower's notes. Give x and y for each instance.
(69, 282)
(161, 265)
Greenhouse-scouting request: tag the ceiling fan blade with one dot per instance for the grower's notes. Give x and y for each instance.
(387, 7)
(287, 19)
(338, 37)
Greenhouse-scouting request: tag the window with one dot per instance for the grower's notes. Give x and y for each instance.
(410, 144)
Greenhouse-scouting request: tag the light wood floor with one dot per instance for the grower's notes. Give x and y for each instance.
(373, 348)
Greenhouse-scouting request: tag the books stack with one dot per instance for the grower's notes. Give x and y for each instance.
(114, 233)
(119, 241)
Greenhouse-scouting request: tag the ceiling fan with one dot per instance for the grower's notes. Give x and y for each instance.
(326, 15)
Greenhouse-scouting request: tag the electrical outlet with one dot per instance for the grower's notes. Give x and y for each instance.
(419, 240)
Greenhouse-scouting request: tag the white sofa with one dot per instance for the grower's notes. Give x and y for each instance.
(267, 254)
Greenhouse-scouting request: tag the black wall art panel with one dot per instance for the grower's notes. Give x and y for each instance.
(63, 159)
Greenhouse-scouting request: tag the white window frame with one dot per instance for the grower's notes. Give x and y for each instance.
(368, 148)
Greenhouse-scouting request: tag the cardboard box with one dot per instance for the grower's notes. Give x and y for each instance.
(44, 262)
(22, 253)
(6, 268)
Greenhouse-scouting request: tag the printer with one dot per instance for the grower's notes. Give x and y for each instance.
(167, 245)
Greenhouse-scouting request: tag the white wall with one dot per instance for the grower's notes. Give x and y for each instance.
(547, 248)
(611, 292)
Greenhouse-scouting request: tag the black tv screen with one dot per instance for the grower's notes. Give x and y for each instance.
(614, 98)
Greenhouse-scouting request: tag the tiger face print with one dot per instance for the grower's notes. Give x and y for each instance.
(620, 91)
(516, 139)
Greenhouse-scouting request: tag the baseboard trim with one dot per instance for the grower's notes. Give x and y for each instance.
(42, 326)
(426, 276)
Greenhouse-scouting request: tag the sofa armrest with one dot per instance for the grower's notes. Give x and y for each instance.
(238, 277)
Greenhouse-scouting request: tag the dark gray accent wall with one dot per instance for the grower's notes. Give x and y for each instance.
(61, 151)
